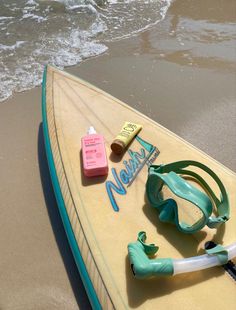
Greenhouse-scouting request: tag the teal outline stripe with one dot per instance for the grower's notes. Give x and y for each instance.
(62, 209)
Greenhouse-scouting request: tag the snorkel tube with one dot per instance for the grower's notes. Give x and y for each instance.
(145, 267)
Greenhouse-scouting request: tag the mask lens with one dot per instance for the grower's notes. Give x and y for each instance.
(189, 214)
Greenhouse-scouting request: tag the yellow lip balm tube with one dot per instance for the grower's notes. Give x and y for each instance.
(126, 135)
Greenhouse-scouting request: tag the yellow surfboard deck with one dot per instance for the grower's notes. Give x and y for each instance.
(102, 215)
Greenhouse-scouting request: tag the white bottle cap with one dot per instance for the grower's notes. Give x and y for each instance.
(91, 131)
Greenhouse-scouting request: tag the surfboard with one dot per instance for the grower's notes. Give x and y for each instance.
(102, 215)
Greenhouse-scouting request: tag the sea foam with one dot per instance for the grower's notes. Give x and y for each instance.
(63, 33)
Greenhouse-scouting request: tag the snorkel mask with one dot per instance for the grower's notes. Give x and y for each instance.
(174, 177)
(169, 176)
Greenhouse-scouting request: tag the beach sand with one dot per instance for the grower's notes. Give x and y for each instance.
(162, 74)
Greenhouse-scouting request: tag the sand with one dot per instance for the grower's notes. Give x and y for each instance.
(162, 74)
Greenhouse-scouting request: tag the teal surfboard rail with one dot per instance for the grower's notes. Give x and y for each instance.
(62, 209)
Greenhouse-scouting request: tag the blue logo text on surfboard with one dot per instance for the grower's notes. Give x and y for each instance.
(146, 155)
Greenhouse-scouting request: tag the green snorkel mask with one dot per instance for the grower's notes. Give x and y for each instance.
(169, 175)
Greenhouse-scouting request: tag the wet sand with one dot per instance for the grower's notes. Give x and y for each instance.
(180, 73)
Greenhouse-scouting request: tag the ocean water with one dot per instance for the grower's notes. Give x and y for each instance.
(64, 33)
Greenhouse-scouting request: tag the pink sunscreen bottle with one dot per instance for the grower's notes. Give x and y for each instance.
(94, 154)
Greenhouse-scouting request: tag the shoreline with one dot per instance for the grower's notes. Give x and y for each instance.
(191, 97)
